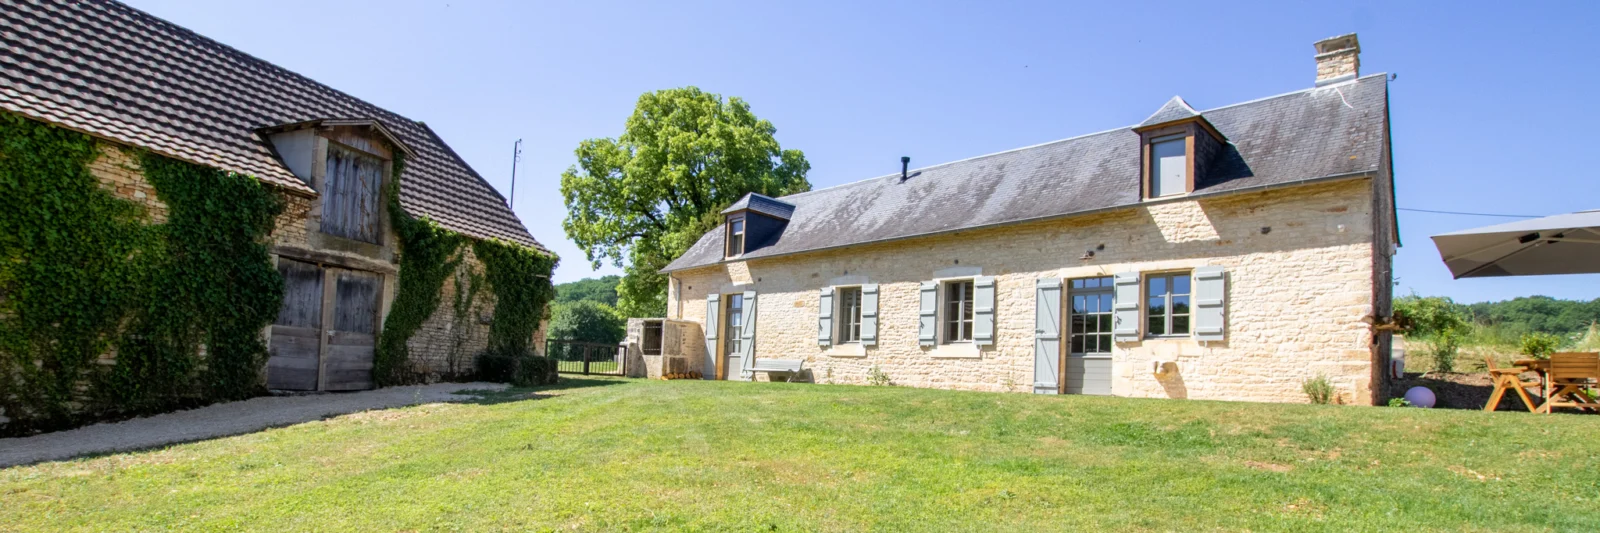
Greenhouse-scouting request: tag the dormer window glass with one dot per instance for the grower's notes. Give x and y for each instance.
(1169, 174)
(735, 236)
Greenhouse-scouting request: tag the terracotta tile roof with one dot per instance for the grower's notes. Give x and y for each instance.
(115, 72)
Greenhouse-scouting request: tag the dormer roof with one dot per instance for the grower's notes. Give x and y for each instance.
(377, 128)
(1177, 111)
(1174, 110)
(763, 204)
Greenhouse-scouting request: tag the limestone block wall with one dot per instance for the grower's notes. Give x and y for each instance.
(445, 346)
(1300, 281)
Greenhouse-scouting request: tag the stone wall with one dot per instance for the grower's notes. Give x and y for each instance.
(444, 347)
(1300, 277)
(447, 344)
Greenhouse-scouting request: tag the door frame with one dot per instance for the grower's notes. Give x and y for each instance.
(726, 310)
(330, 282)
(1066, 329)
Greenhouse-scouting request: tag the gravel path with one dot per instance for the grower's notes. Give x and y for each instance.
(220, 420)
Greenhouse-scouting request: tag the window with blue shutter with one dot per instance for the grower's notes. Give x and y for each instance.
(713, 310)
(869, 315)
(1210, 306)
(928, 311)
(1125, 324)
(747, 337)
(983, 311)
(825, 317)
(1047, 336)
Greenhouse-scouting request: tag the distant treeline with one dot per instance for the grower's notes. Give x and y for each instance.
(1536, 313)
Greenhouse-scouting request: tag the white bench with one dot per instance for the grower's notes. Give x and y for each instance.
(792, 366)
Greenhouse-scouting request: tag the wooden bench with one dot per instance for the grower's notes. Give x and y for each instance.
(792, 366)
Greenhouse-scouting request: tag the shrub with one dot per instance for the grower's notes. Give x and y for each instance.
(519, 369)
(1539, 345)
(1319, 390)
(1444, 347)
(1399, 402)
(876, 376)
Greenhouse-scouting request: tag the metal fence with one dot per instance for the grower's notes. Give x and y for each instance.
(578, 357)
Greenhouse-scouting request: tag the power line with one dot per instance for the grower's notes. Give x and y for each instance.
(1467, 214)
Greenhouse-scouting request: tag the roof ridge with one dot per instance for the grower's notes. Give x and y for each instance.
(1073, 138)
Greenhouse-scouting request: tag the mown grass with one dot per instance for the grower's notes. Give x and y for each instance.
(615, 454)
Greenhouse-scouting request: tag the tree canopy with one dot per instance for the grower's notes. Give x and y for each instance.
(642, 199)
(602, 290)
(587, 321)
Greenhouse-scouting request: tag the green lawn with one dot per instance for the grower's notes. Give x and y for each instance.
(615, 454)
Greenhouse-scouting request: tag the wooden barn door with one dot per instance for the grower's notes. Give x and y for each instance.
(353, 330)
(326, 330)
(294, 361)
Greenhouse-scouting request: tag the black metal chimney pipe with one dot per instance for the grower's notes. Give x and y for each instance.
(905, 164)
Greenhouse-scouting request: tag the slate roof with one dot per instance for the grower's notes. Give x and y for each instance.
(109, 70)
(1319, 133)
(763, 204)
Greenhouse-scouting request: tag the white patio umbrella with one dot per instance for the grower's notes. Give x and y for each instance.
(1560, 244)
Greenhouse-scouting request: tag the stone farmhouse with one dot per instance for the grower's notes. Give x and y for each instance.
(1231, 253)
(136, 83)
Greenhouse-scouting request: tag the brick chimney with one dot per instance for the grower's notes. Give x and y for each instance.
(1338, 59)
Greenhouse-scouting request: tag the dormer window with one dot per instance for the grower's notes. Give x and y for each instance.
(735, 236)
(1177, 145)
(753, 223)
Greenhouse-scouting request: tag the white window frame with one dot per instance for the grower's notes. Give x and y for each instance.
(843, 318)
(1155, 168)
(964, 335)
(1166, 319)
(741, 233)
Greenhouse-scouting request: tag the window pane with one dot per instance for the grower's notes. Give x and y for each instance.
(1158, 306)
(966, 330)
(1180, 284)
(1077, 344)
(1105, 304)
(738, 226)
(1077, 284)
(1180, 305)
(1180, 325)
(1169, 168)
(1105, 324)
(1079, 304)
(1158, 286)
(1078, 323)
(1157, 325)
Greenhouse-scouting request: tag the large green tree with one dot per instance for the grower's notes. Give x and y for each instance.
(642, 199)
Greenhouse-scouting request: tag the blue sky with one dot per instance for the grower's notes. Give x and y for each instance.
(1489, 105)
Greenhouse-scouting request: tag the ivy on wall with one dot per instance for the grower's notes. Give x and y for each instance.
(519, 277)
(215, 287)
(73, 262)
(428, 254)
(82, 272)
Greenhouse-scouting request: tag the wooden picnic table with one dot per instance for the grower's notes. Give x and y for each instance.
(1541, 367)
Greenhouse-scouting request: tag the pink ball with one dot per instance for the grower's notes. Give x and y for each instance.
(1420, 397)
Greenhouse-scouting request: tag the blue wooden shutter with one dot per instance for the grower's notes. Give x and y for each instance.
(825, 317)
(747, 336)
(713, 311)
(1209, 303)
(983, 311)
(869, 315)
(927, 324)
(1047, 337)
(1125, 323)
